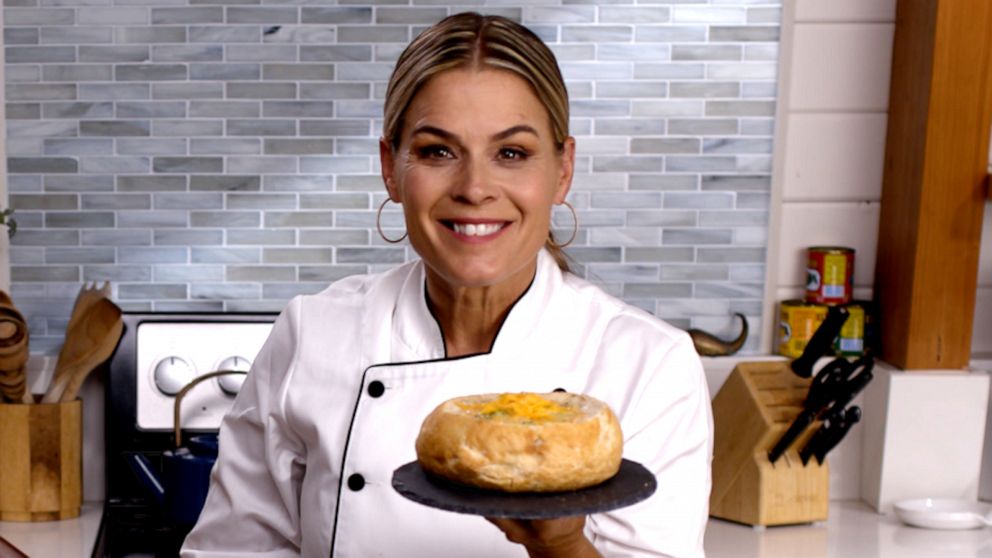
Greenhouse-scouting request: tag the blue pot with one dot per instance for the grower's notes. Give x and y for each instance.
(181, 486)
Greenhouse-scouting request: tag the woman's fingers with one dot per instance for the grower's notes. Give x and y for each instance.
(514, 529)
(543, 534)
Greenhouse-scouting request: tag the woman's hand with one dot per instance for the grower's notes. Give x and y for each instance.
(549, 538)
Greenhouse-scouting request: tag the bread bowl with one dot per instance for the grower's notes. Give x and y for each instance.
(521, 442)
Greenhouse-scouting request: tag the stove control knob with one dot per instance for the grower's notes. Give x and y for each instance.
(231, 383)
(172, 374)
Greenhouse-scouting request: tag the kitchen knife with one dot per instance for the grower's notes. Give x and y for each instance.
(826, 430)
(830, 434)
(858, 377)
(822, 392)
(821, 341)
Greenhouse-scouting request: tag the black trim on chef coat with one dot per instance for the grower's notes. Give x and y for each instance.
(363, 389)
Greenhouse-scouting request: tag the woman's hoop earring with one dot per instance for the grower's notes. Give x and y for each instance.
(575, 225)
(378, 224)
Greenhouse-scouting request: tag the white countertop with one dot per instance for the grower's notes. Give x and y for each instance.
(853, 530)
(66, 538)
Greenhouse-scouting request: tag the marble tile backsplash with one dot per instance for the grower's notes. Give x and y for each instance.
(212, 155)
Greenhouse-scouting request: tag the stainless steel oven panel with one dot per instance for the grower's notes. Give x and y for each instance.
(169, 355)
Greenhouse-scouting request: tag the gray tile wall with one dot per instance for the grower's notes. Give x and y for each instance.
(221, 155)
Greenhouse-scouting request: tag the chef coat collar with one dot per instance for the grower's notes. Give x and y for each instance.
(419, 335)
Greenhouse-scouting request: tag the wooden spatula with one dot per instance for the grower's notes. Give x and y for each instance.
(94, 358)
(89, 294)
(87, 344)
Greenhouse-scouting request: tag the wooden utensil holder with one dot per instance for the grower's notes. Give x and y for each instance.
(751, 411)
(40, 465)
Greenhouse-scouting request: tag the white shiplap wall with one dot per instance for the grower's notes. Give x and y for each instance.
(827, 183)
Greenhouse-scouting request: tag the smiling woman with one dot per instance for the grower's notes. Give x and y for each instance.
(477, 172)
(476, 150)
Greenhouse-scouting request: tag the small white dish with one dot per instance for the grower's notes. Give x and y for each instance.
(943, 513)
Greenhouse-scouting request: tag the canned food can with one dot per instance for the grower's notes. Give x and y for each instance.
(851, 341)
(829, 275)
(798, 320)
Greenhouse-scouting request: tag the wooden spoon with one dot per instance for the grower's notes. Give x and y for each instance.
(13, 352)
(13, 387)
(88, 343)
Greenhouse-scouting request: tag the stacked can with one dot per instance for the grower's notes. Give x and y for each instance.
(829, 275)
(829, 282)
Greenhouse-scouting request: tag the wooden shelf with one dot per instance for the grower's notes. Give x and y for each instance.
(933, 202)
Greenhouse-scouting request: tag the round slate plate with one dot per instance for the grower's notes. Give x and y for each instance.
(630, 485)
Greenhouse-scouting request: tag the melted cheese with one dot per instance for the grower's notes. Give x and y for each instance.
(521, 406)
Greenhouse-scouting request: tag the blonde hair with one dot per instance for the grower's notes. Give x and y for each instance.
(471, 40)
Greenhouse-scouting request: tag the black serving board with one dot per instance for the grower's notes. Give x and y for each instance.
(630, 485)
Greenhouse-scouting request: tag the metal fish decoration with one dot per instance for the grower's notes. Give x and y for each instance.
(708, 344)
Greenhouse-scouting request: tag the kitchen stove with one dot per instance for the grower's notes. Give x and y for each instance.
(158, 354)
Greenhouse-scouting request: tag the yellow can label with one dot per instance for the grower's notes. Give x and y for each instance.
(797, 324)
(834, 275)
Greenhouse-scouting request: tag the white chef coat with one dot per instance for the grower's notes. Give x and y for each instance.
(335, 398)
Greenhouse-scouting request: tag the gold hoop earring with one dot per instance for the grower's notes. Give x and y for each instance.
(575, 225)
(378, 224)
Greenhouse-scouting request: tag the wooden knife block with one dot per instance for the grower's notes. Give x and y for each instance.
(751, 411)
(40, 465)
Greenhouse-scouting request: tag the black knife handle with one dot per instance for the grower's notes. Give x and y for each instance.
(851, 416)
(830, 419)
(809, 450)
(821, 341)
(853, 387)
(825, 386)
